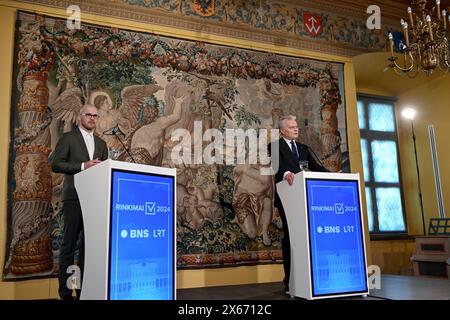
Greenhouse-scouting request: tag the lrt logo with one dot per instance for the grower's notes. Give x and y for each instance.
(339, 208)
(150, 208)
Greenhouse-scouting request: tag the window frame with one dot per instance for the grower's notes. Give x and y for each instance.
(369, 136)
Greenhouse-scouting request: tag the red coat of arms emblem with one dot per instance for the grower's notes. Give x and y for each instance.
(313, 24)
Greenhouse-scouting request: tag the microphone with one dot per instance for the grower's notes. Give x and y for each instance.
(114, 132)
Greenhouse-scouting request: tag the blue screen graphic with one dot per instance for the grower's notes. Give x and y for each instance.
(142, 239)
(336, 239)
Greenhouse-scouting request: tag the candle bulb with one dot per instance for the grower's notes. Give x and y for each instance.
(438, 4)
(411, 17)
(391, 44)
(405, 33)
(430, 30)
(444, 16)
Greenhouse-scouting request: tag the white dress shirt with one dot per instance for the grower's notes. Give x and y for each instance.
(90, 144)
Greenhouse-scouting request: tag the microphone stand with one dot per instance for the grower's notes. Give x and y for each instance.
(123, 144)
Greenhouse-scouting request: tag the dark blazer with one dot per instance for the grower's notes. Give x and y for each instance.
(287, 162)
(69, 153)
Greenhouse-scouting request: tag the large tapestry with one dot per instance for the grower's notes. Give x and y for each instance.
(147, 88)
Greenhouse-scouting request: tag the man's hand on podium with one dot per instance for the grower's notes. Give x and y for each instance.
(91, 163)
(289, 177)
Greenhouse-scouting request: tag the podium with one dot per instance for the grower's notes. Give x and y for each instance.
(328, 255)
(130, 231)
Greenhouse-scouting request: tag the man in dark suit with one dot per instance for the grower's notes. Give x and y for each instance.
(75, 151)
(293, 158)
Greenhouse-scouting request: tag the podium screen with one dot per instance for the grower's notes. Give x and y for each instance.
(142, 247)
(337, 256)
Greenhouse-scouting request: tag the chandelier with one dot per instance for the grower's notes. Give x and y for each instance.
(426, 44)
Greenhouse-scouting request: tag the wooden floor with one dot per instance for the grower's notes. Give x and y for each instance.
(412, 288)
(392, 288)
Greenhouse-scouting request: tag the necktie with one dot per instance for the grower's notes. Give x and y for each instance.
(294, 151)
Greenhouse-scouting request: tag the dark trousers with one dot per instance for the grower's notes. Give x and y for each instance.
(285, 245)
(73, 230)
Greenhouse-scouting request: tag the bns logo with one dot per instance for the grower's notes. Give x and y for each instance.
(139, 234)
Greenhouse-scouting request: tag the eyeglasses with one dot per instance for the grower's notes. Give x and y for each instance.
(91, 115)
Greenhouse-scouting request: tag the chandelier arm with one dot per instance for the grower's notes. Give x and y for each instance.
(404, 69)
(404, 73)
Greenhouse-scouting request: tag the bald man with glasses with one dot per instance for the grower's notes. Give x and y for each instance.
(75, 151)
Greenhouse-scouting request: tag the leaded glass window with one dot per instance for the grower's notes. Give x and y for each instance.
(379, 149)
